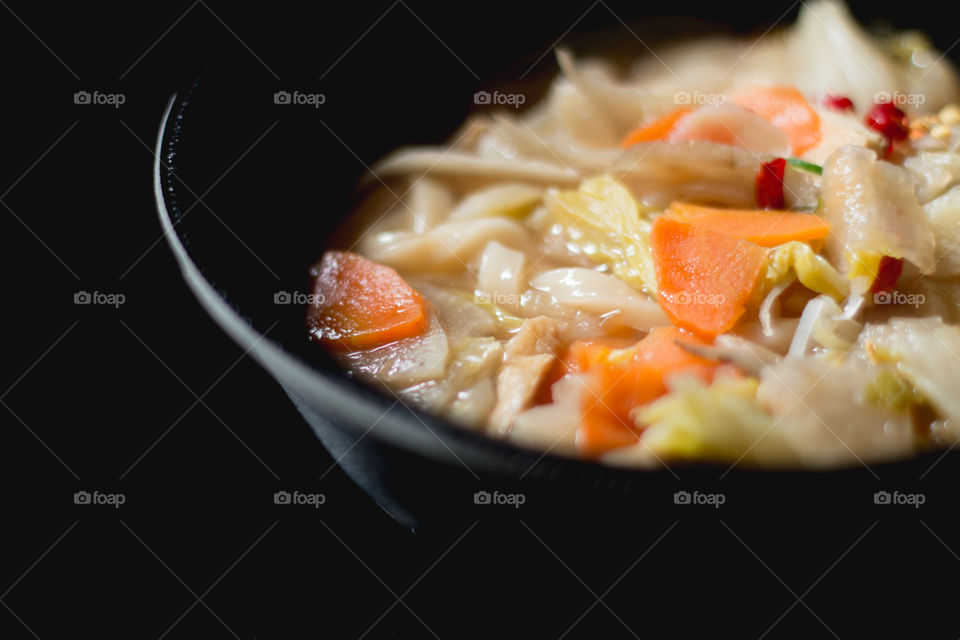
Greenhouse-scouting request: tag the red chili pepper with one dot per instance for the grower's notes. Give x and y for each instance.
(769, 184)
(888, 120)
(838, 103)
(887, 274)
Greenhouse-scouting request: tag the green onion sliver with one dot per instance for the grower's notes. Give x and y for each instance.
(803, 165)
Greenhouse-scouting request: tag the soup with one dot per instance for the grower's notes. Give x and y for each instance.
(738, 251)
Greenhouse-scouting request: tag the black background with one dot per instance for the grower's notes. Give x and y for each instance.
(151, 400)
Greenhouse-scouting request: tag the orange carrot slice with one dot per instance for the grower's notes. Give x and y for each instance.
(359, 304)
(620, 380)
(767, 228)
(704, 278)
(656, 130)
(786, 109)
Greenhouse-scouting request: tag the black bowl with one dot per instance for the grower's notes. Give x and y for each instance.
(250, 186)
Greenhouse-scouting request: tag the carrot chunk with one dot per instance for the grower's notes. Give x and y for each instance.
(622, 379)
(656, 130)
(767, 228)
(704, 278)
(359, 304)
(786, 109)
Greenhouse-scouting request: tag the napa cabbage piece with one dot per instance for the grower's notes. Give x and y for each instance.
(812, 270)
(823, 409)
(602, 217)
(618, 105)
(892, 391)
(943, 213)
(465, 393)
(555, 140)
(599, 294)
(829, 53)
(659, 173)
(873, 212)
(459, 316)
(404, 362)
(722, 422)
(739, 126)
(933, 173)
(841, 129)
(926, 352)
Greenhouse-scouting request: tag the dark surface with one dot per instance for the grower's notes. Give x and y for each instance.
(152, 401)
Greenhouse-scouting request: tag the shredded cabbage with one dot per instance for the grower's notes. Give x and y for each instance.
(602, 217)
(813, 271)
(722, 421)
(925, 352)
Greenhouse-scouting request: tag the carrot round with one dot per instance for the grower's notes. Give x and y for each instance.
(704, 278)
(786, 109)
(656, 130)
(359, 304)
(768, 228)
(620, 380)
